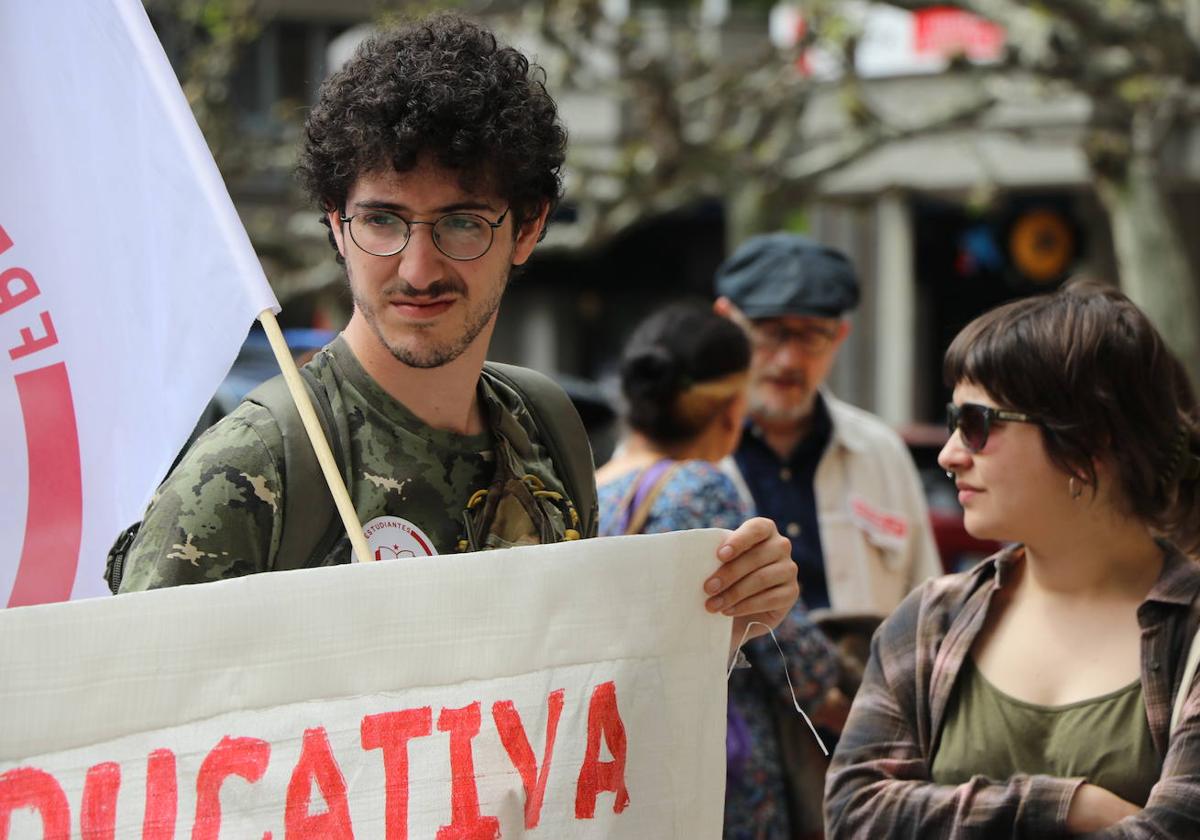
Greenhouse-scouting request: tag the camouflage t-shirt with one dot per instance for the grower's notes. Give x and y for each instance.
(417, 490)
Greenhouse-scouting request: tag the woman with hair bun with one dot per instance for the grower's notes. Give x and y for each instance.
(1046, 692)
(684, 376)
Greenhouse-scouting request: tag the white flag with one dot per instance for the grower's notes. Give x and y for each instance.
(127, 284)
(574, 690)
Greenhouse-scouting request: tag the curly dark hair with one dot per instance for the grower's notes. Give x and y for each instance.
(441, 89)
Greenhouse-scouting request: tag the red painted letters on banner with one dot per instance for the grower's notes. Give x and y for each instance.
(596, 775)
(98, 817)
(516, 743)
(466, 823)
(245, 757)
(317, 769)
(162, 797)
(391, 733)
(28, 787)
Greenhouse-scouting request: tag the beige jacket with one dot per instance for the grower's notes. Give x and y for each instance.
(875, 533)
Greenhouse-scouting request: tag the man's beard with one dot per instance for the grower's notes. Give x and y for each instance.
(770, 410)
(438, 354)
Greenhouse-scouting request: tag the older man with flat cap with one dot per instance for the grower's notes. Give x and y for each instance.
(838, 482)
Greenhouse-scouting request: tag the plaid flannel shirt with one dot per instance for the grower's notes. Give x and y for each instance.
(879, 780)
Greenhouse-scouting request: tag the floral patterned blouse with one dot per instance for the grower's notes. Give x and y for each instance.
(700, 495)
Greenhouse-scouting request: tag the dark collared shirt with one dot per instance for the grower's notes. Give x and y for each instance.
(879, 780)
(783, 491)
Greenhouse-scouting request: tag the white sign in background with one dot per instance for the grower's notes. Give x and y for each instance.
(587, 674)
(127, 285)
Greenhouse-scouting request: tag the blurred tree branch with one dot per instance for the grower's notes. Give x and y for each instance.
(204, 40)
(700, 123)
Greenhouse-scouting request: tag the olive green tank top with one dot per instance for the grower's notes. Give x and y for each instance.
(1104, 739)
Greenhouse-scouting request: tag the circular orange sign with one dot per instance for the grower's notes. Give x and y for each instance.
(1042, 245)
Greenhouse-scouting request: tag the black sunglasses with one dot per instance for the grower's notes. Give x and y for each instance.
(974, 422)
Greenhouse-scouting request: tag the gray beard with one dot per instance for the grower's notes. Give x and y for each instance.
(771, 414)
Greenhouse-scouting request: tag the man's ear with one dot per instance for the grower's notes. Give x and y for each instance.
(726, 308)
(335, 225)
(843, 330)
(529, 234)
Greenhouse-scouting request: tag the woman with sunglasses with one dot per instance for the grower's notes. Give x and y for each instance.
(1033, 695)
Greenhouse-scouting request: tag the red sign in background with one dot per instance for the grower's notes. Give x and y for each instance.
(946, 31)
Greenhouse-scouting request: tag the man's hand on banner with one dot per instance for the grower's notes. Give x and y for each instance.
(757, 578)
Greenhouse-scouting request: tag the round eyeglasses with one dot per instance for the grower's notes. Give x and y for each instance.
(974, 422)
(460, 236)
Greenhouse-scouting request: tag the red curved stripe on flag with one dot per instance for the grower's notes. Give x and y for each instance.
(54, 522)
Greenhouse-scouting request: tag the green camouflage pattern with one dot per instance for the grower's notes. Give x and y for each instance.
(220, 512)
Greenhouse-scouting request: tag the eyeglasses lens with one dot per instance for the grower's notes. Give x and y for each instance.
(462, 236)
(971, 422)
(382, 234)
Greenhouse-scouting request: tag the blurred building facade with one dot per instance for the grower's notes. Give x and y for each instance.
(941, 227)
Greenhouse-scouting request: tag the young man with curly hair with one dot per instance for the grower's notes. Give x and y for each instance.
(434, 156)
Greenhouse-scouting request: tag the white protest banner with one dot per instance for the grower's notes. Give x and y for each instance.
(127, 285)
(574, 690)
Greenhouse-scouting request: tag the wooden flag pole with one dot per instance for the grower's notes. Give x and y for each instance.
(316, 435)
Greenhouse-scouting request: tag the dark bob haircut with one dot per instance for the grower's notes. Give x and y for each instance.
(1089, 365)
(669, 360)
(441, 90)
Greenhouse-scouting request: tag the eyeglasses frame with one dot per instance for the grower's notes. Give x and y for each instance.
(347, 220)
(990, 416)
(755, 330)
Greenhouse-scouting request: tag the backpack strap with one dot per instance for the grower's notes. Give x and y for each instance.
(310, 522)
(311, 526)
(562, 432)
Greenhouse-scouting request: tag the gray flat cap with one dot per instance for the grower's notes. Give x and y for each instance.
(788, 274)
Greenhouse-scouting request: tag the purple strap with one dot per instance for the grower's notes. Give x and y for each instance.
(645, 482)
(738, 743)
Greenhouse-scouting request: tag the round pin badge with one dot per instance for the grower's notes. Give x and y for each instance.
(394, 538)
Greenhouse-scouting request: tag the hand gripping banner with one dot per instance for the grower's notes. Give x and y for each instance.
(566, 691)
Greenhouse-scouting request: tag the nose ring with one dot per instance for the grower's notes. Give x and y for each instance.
(950, 474)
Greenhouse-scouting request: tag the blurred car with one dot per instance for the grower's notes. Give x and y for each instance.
(958, 549)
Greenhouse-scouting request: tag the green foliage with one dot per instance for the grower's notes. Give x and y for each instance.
(796, 221)
(204, 40)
